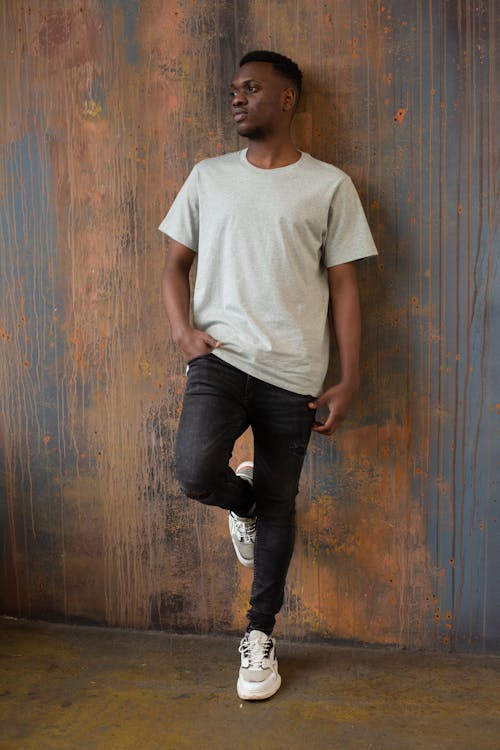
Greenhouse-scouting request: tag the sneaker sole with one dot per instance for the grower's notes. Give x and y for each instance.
(261, 691)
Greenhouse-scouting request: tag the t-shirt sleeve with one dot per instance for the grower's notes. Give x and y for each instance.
(182, 221)
(348, 236)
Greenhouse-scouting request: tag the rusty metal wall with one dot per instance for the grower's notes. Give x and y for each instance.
(106, 106)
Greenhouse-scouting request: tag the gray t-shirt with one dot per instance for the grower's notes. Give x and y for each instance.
(264, 239)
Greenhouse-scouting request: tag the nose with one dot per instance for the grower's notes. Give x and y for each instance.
(239, 99)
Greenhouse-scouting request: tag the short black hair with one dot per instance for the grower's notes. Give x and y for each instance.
(288, 68)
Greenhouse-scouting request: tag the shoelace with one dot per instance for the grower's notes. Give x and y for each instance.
(245, 529)
(255, 651)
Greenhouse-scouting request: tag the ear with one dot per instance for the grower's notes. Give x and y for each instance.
(288, 99)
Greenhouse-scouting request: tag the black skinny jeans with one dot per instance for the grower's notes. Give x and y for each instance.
(220, 402)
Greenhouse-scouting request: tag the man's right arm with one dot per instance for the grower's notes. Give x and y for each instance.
(176, 297)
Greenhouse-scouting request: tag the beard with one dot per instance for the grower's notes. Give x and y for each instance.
(253, 133)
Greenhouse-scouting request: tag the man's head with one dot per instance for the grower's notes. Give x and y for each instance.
(265, 93)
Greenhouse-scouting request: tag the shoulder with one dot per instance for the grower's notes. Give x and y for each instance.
(218, 163)
(324, 170)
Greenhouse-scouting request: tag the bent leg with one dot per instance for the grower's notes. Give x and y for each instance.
(213, 417)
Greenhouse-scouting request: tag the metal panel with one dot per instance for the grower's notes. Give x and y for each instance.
(107, 106)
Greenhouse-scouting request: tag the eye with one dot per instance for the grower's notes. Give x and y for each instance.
(249, 89)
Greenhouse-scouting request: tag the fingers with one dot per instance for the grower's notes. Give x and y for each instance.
(197, 343)
(328, 427)
(337, 400)
(211, 342)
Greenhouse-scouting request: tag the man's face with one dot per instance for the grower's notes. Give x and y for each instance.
(258, 99)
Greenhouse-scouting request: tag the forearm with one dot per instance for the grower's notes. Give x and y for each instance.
(344, 298)
(347, 322)
(176, 298)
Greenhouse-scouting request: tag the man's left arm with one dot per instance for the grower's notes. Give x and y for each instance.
(344, 297)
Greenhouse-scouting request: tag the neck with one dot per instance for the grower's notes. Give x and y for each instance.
(270, 154)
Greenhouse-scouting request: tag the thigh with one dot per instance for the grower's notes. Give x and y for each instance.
(281, 422)
(213, 417)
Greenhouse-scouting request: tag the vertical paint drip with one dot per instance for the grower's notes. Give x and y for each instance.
(108, 106)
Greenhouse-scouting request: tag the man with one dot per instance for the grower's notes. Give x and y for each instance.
(276, 234)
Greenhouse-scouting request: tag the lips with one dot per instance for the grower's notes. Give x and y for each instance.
(239, 115)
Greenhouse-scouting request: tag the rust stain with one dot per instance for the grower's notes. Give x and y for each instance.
(400, 115)
(395, 540)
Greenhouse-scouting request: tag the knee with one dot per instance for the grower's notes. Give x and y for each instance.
(276, 510)
(194, 482)
(193, 486)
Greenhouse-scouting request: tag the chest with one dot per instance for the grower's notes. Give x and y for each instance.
(266, 211)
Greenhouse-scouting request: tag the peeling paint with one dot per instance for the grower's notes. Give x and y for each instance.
(108, 104)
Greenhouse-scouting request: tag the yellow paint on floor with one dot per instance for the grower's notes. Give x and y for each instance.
(82, 688)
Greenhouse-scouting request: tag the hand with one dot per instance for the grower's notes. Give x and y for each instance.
(195, 343)
(337, 399)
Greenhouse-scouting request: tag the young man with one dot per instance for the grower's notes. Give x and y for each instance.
(276, 234)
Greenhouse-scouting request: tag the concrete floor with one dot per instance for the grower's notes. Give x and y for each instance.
(93, 688)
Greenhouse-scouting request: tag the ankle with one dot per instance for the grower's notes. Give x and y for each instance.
(261, 630)
(247, 514)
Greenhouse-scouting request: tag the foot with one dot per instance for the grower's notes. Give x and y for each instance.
(245, 471)
(259, 677)
(243, 529)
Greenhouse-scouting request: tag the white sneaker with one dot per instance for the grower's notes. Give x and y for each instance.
(242, 529)
(258, 678)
